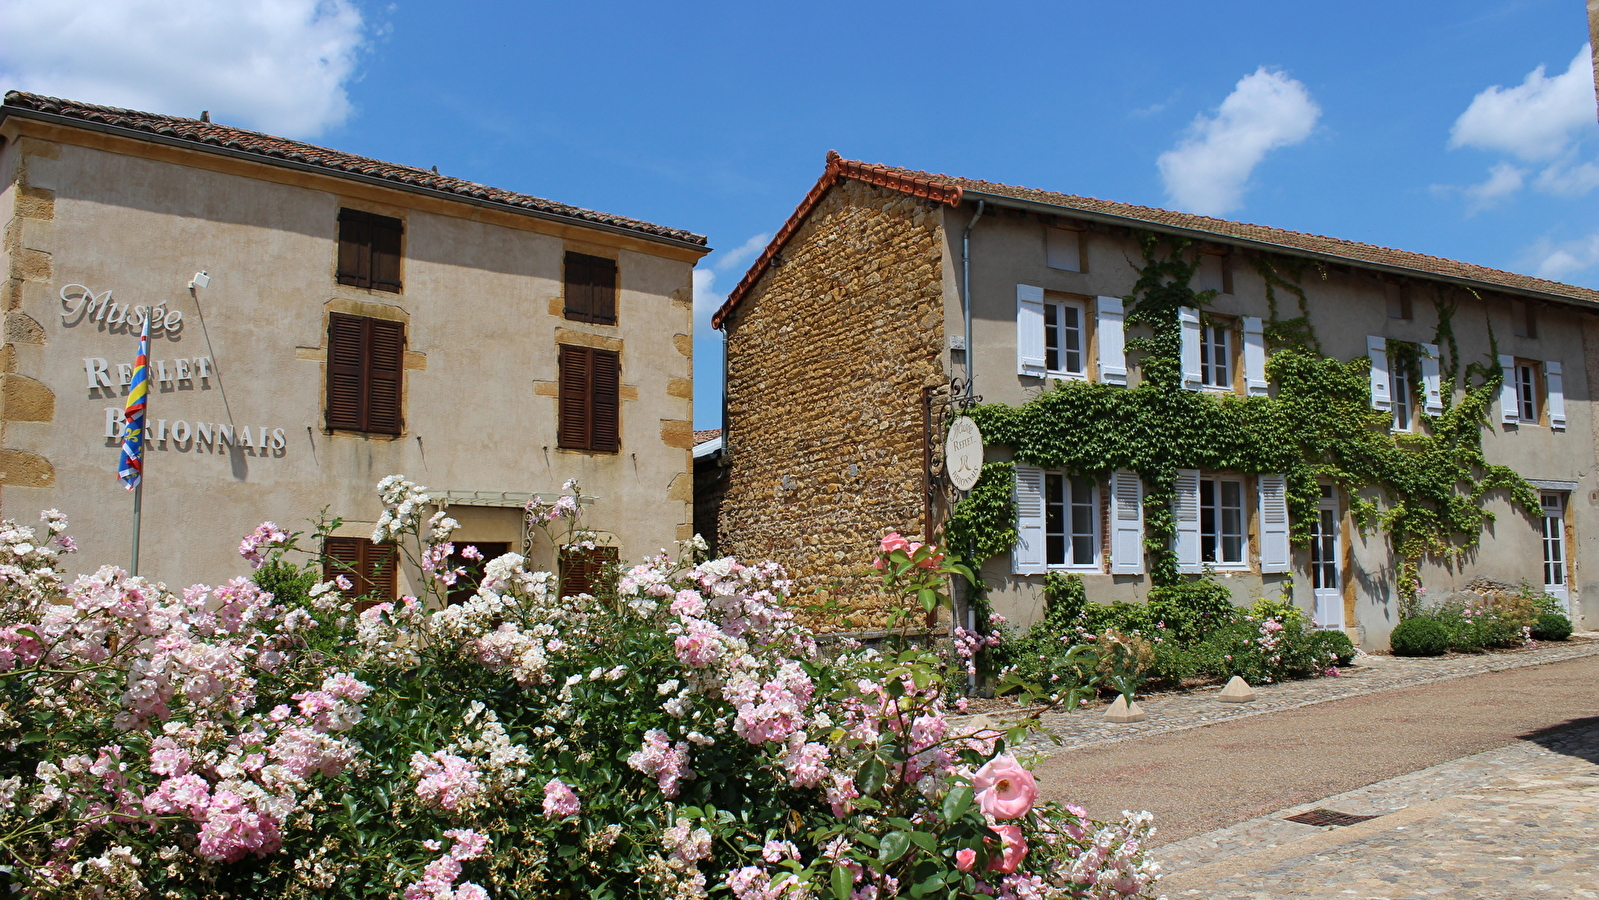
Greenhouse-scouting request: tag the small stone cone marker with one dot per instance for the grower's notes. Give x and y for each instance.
(1237, 691)
(1121, 711)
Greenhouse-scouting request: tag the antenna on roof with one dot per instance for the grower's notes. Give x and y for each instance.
(205, 115)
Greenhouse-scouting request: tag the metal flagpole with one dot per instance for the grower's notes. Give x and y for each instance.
(130, 468)
(138, 494)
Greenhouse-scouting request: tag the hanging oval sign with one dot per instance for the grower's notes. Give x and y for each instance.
(963, 453)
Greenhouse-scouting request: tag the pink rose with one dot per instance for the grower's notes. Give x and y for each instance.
(892, 541)
(1013, 849)
(965, 859)
(1005, 789)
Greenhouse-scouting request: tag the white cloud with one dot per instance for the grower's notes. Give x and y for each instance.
(1559, 261)
(1539, 119)
(726, 262)
(1568, 180)
(275, 65)
(1210, 167)
(1503, 180)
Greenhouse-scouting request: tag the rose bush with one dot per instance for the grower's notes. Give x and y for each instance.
(680, 736)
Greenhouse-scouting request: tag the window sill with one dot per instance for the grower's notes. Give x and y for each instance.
(1068, 376)
(1094, 568)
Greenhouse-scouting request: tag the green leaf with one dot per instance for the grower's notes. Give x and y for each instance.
(895, 845)
(957, 802)
(843, 881)
(872, 775)
(922, 839)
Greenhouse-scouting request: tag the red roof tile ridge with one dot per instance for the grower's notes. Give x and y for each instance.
(271, 146)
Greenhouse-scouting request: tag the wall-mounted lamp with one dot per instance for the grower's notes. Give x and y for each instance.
(199, 280)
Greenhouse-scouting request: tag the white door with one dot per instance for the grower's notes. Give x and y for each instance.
(1324, 555)
(1555, 570)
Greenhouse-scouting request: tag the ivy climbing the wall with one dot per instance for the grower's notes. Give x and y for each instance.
(1319, 426)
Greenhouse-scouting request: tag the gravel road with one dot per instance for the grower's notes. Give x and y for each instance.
(1202, 779)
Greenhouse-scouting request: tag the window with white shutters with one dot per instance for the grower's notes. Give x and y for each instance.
(1065, 344)
(1555, 394)
(1275, 555)
(1402, 394)
(1126, 523)
(1222, 539)
(1110, 332)
(1216, 355)
(1027, 558)
(1071, 518)
(1185, 509)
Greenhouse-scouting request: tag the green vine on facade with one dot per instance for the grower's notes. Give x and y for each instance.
(1319, 427)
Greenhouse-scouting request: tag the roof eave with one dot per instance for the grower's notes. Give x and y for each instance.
(134, 133)
(1284, 249)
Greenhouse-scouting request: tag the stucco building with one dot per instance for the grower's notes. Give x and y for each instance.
(843, 337)
(320, 320)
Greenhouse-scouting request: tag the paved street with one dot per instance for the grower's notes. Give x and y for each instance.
(1468, 770)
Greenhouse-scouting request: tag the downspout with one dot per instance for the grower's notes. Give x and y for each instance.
(966, 291)
(971, 351)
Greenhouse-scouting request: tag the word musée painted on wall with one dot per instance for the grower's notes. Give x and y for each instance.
(80, 304)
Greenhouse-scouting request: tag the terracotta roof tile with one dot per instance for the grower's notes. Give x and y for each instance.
(1290, 242)
(701, 435)
(270, 147)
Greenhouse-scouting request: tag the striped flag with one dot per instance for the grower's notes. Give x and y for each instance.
(131, 467)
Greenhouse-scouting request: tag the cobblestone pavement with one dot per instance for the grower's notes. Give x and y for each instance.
(1516, 821)
(1177, 711)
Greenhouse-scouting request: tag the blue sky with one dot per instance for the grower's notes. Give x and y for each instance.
(1425, 126)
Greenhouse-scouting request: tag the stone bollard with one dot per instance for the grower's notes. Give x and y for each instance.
(1237, 691)
(1122, 712)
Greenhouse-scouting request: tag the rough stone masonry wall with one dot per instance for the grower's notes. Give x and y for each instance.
(24, 399)
(827, 359)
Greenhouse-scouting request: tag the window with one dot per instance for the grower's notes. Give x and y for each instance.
(369, 250)
(1526, 375)
(590, 289)
(585, 571)
(1554, 545)
(1063, 337)
(1215, 272)
(1403, 392)
(1215, 355)
(365, 367)
(1398, 300)
(1221, 521)
(370, 567)
(1522, 319)
(1070, 513)
(1063, 249)
(590, 382)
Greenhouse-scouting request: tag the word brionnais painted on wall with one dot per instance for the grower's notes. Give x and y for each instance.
(80, 304)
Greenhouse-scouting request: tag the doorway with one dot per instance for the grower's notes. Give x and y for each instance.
(1325, 577)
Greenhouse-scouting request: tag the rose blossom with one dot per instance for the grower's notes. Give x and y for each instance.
(559, 800)
(965, 859)
(1014, 847)
(1005, 789)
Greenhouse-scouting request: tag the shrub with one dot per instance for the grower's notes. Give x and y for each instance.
(1551, 627)
(1065, 598)
(1334, 646)
(1419, 636)
(682, 737)
(1193, 609)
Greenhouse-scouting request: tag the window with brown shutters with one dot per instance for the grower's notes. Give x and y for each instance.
(371, 568)
(590, 289)
(586, 572)
(366, 359)
(589, 402)
(369, 250)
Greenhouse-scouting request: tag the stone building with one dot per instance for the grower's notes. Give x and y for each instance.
(844, 336)
(318, 321)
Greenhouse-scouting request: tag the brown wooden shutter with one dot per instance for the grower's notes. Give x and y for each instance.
(385, 374)
(371, 568)
(347, 352)
(583, 571)
(602, 290)
(355, 248)
(380, 566)
(604, 430)
(579, 288)
(385, 234)
(574, 400)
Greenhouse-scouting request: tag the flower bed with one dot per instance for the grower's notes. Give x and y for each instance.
(679, 736)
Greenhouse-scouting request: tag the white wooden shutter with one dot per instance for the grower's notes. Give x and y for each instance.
(1126, 523)
(1112, 340)
(1188, 319)
(1554, 380)
(1029, 330)
(1274, 552)
(1432, 394)
(1381, 392)
(1509, 408)
(1185, 508)
(1028, 557)
(1255, 356)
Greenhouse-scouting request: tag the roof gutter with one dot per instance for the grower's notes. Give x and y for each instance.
(1126, 221)
(136, 134)
(966, 293)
